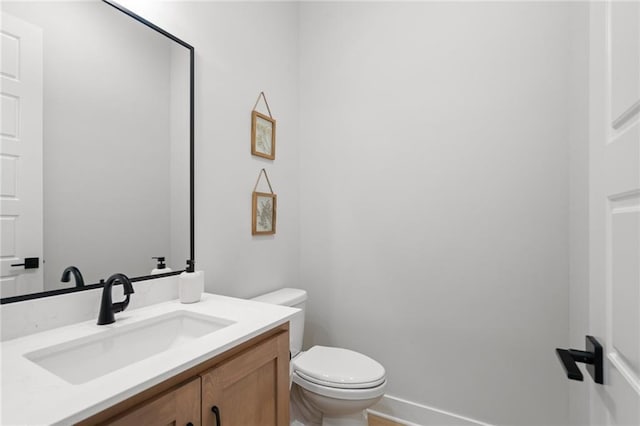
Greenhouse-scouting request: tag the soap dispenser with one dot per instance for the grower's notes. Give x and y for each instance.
(161, 268)
(190, 284)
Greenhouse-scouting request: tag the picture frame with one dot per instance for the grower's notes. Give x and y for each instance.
(263, 135)
(264, 209)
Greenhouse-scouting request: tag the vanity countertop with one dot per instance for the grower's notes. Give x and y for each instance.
(33, 395)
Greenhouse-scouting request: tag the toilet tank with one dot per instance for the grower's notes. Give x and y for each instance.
(295, 298)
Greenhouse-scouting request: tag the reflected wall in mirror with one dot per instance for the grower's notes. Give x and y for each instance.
(96, 142)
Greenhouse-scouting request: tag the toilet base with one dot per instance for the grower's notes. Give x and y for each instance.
(308, 408)
(301, 413)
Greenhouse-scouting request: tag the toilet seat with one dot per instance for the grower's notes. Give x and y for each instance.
(339, 393)
(365, 385)
(338, 373)
(338, 367)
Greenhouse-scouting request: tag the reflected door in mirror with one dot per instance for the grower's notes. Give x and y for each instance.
(20, 156)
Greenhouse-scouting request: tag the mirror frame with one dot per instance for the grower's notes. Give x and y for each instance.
(191, 260)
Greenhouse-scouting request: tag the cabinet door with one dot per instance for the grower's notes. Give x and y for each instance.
(250, 389)
(178, 407)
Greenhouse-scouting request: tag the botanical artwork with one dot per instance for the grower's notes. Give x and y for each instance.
(264, 213)
(263, 137)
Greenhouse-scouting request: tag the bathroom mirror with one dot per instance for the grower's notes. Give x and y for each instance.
(116, 147)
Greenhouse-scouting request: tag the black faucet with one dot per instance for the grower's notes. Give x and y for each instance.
(66, 276)
(107, 307)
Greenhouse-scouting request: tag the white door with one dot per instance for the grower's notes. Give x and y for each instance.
(615, 209)
(20, 155)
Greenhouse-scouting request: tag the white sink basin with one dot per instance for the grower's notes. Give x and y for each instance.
(85, 359)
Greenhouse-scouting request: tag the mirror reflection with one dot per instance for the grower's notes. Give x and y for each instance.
(95, 146)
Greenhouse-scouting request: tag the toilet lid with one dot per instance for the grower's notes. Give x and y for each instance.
(338, 367)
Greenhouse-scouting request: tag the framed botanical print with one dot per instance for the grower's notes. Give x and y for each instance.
(264, 213)
(263, 135)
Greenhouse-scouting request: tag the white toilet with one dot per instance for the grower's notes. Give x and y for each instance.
(332, 386)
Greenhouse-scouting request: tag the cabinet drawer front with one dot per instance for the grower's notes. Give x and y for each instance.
(179, 407)
(250, 389)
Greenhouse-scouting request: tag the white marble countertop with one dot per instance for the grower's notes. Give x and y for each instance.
(31, 395)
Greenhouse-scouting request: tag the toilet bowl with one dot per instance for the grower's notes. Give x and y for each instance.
(331, 386)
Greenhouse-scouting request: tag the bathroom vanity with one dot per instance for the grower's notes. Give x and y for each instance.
(220, 361)
(245, 385)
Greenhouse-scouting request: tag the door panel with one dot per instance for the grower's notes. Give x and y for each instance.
(625, 306)
(625, 57)
(20, 155)
(615, 208)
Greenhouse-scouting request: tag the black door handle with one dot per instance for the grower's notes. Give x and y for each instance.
(215, 410)
(592, 357)
(29, 263)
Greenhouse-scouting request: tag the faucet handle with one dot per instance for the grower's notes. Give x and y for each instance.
(120, 306)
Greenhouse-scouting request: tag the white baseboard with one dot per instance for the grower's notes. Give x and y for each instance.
(413, 414)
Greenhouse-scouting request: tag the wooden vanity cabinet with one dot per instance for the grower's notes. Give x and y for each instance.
(246, 389)
(180, 406)
(248, 385)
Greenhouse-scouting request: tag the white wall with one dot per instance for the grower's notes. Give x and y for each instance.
(241, 49)
(435, 198)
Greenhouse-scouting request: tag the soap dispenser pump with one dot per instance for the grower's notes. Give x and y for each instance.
(161, 268)
(190, 284)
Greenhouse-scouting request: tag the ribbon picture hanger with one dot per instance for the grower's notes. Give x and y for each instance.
(263, 172)
(261, 95)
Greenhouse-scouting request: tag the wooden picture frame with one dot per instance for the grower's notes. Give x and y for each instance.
(263, 136)
(264, 209)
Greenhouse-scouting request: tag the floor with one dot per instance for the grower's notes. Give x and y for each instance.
(379, 421)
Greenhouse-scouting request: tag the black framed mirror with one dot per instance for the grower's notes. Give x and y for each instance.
(116, 147)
